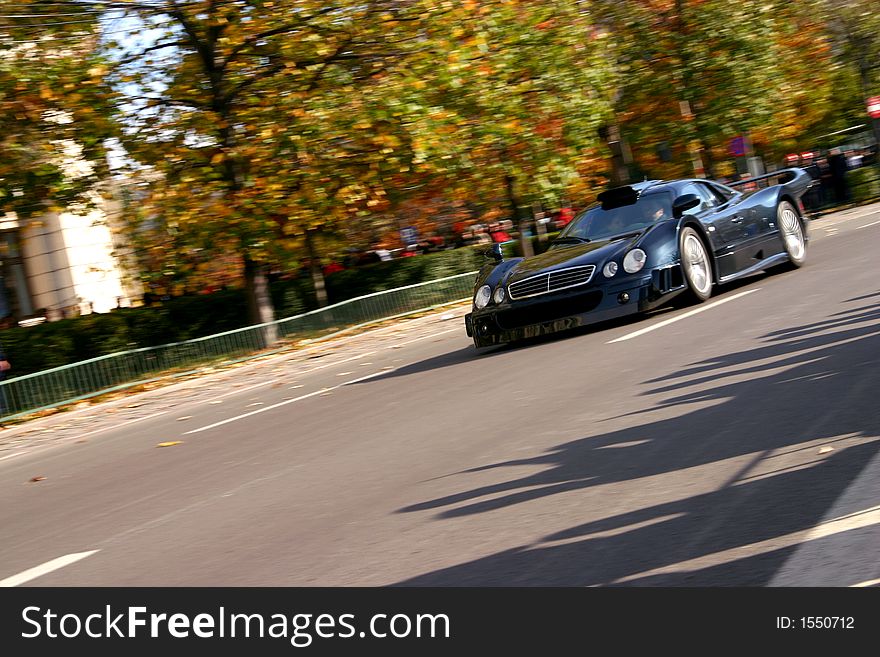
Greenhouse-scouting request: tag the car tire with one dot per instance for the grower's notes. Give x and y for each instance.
(791, 231)
(696, 264)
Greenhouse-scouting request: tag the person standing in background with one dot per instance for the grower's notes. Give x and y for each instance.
(837, 165)
(4, 367)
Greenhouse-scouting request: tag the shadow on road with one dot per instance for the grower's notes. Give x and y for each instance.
(777, 408)
(468, 354)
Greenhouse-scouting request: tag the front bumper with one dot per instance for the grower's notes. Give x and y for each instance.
(552, 313)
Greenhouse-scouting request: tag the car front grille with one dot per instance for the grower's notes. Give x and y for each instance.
(549, 310)
(553, 281)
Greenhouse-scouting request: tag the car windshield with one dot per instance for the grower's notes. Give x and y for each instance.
(598, 223)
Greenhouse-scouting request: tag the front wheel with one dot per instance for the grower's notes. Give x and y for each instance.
(696, 264)
(792, 232)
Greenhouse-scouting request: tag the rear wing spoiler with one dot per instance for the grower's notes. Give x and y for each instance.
(796, 181)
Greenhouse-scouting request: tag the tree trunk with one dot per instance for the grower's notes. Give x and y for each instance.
(708, 162)
(620, 158)
(692, 131)
(315, 268)
(525, 241)
(259, 301)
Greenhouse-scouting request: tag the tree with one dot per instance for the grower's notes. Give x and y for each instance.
(516, 92)
(55, 107)
(255, 117)
(854, 28)
(700, 73)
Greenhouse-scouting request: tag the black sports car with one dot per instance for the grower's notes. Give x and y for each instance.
(636, 249)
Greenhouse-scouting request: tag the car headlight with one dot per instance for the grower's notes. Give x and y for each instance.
(498, 297)
(481, 298)
(610, 269)
(634, 261)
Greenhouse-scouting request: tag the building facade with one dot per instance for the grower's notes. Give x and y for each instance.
(64, 264)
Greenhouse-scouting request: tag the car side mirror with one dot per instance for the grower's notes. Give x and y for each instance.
(684, 203)
(495, 252)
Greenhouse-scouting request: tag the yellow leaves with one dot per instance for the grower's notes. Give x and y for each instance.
(389, 141)
(170, 443)
(482, 43)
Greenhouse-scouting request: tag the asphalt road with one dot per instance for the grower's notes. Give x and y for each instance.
(730, 443)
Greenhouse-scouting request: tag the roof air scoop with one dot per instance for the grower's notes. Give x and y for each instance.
(617, 197)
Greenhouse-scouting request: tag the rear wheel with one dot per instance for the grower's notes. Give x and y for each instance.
(695, 264)
(792, 232)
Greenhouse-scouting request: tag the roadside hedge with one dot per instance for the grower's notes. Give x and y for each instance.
(864, 183)
(67, 341)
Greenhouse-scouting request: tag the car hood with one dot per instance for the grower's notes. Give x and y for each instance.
(574, 255)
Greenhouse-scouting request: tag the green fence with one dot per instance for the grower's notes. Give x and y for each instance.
(70, 383)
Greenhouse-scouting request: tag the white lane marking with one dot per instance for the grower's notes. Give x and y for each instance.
(242, 390)
(216, 399)
(424, 337)
(870, 582)
(81, 436)
(672, 320)
(322, 391)
(43, 569)
(873, 223)
(857, 520)
(271, 381)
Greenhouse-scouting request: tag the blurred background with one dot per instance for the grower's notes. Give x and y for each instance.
(219, 164)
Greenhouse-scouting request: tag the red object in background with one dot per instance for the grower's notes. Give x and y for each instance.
(792, 157)
(565, 216)
(332, 268)
(873, 104)
(501, 236)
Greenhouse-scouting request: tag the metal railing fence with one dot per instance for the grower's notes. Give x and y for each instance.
(69, 383)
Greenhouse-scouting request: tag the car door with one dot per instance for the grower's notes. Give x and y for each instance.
(724, 224)
(758, 222)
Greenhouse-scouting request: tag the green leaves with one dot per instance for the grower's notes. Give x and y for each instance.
(748, 67)
(55, 107)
